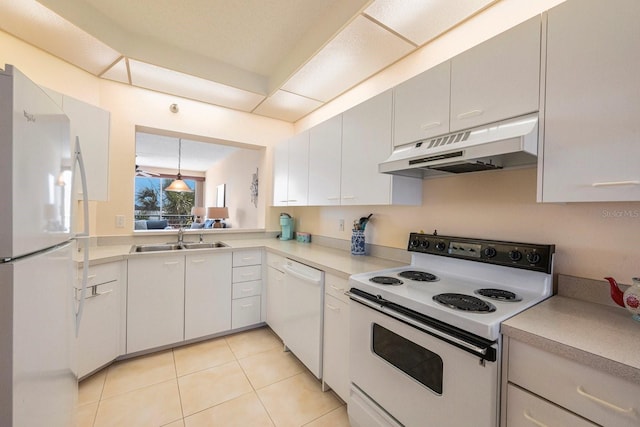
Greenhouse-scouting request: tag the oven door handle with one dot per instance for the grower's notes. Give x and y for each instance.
(390, 312)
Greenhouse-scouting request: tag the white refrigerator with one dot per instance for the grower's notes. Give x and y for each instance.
(38, 313)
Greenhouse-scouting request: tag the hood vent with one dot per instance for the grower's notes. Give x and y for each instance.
(505, 144)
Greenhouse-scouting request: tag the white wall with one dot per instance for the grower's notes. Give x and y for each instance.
(236, 172)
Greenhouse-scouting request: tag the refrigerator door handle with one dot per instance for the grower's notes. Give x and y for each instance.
(84, 236)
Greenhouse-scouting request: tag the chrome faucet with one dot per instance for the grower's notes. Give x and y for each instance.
(180, 235)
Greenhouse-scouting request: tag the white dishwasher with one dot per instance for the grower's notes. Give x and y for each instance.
(304, 300)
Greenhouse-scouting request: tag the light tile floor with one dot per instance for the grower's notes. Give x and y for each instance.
(245, 379)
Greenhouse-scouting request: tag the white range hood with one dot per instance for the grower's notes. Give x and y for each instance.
(506, 144)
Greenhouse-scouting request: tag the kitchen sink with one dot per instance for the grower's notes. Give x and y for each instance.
(204, 245)
(156, 247)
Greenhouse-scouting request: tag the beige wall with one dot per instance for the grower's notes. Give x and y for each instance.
(131, 107)
(592, 239)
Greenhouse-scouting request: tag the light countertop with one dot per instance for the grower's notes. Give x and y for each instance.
(334, 261)
(598, 335)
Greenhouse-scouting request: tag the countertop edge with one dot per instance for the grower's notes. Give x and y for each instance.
(547, 325)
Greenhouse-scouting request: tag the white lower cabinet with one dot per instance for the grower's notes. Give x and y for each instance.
(207, 294)
(99, 334)
(155, 302)
(563, 392)
(335, 371)
(246, 305)
(526, 410)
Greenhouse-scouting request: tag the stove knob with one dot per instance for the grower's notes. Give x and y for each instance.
(490, 252)
(414, 243)
(440, 246)
(533, 257)
(424, 244)
(515, 255)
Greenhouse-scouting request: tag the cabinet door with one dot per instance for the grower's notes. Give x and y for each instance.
(280, 173)
(325, 154)
(366, 141)
(298, 181)
(207, 294)
(98, 341)
(155, 302)
(591, 134)
(91, 125)
(276, 294)
(421, 106)
(336, 346)
(497, 79)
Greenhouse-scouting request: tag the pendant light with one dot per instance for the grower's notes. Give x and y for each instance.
(178, 184)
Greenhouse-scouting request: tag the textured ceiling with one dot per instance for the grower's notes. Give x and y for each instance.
(278, 58)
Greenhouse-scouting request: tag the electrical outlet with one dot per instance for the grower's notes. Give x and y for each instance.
(341, 225)
(120, 221)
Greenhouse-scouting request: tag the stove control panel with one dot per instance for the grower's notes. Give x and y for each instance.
(529, 256)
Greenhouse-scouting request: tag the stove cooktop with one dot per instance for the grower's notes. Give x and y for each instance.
(500, 289)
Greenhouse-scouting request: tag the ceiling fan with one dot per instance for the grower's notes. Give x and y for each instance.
(144, 173)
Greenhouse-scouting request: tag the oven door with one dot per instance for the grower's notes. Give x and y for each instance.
(416, 377)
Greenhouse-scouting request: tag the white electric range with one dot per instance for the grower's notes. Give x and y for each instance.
(431, 329)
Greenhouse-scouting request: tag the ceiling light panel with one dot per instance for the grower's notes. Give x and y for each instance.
(362, 49)
(156, 78)
(287, 106)
(39, 26)
(118, 72)
(423, 20)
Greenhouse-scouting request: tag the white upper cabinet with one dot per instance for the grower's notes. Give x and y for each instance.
(298, 187)
(497, 79)
(592, 130)
(421, 106)
(91, 125)
(325, 159)
(291, 171)
(366, 141)
(280, 174)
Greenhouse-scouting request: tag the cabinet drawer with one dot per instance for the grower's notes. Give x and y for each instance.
(99, 274)
(593, 394)
(248, 257)
(246, 274)
(336, 287)
(245, 312)
(526, 410)
(247, 289)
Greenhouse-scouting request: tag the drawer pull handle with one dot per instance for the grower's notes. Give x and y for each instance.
(472, 113)
(430, 125)
(171, 263)
(529, 418)
(333, 308)
(91, 277)
(333, 198)
(246, 306)
(614, 183)
(197, 261)
(247, 289)
(335, 288)
(348, 197)
(609, 405)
